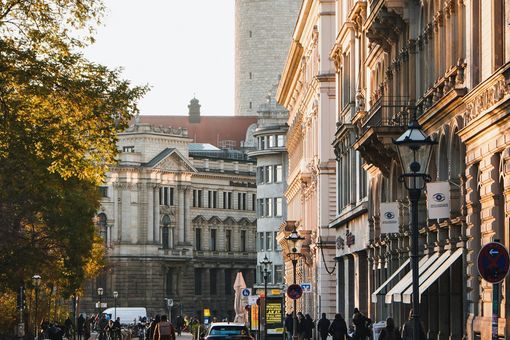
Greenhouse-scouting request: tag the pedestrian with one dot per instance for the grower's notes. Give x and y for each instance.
(361, 325)
(390, 332)
(152, 327)
(289, 321)
(323, 327)
(300, 326)
(103, 327)
(407, 329)
(68, 327)
(338, 328)
(79, 326)
(87, 327)
(309, 325)
(164, 330)
(179, 324)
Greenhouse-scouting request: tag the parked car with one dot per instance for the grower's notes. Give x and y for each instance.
(228, 331)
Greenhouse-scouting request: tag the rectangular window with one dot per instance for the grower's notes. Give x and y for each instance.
(212, 242)
(262, 143)
(269, 241)
(269, 207)
(199, 199)
(171, 196)
(276, 244)
(229, 201)
(239, 200)
(215, 199)
(130, 148)
(225, 200)
(278, 174)
(261, 241)
(213, 281)
(244, 201)
(103, 192)
(194, 198)
(198, 281)
(243, 241)
(260, 175)
(278, 207)
(198, 239)
(209, 198)
(278, 274)
(260, 208)
(269, 174)
(228, 282)
(253, 202)
(272, 140)
(165, 196)
(228, 240)
(280, 141)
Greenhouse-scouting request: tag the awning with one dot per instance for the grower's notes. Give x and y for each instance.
(433, 273)
(381, 287)
(394, 293)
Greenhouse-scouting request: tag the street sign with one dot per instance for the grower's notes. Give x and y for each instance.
(493, 262)
(169, 302)
(294, 291)
(307, 287)
(246, 292)
(252, 299)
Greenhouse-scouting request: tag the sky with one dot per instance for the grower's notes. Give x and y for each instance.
(180, 48)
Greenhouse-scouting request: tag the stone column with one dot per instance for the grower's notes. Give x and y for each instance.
(180, 213)
(188, 235)
(157, 218)
(340, 284)
(150, 213)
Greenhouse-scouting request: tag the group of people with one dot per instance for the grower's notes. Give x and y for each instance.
(361, 328)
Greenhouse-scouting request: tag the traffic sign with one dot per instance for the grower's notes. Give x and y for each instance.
(252, 299)
(307, 287)
(246, 292)
(493, 262)
(294, 291)
(169, 302)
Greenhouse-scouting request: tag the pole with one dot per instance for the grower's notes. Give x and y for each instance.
(35, 316)
(294, 316)
(495, 310)
(115, 308)
(265, 306)
(414, 197)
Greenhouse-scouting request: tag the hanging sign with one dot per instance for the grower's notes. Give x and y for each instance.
(389, 218)
(438, 200)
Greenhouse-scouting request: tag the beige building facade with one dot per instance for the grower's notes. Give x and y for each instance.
(307, 90)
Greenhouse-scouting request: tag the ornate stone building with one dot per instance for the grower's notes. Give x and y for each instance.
(448, 61)
(263, 30)
(178, 217)
(307, 90)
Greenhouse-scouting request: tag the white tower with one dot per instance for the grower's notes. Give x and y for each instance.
(262, 39)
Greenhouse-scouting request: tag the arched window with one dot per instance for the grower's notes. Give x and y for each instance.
(102, 226)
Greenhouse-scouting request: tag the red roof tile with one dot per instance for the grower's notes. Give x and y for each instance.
(211, 129)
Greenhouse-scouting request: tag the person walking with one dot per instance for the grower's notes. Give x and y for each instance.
(309, 325)
(164, 330)
(300, 326)
(338, 328)
(323, 327)
(288, 326)
(407, 329)
(390, 332)
(361, 324)
(152, 327)
(87, 325)
(179, 324)
(79, 326)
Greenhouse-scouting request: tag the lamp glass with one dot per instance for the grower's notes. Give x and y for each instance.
(100, 291)
(115, 294)
(36, 280)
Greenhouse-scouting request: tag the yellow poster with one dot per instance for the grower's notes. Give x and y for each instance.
(254, 317)
(207, 312)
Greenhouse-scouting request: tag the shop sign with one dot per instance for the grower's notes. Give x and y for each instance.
(438, 200)
(389, 218)
(254, 317)
(274, 315)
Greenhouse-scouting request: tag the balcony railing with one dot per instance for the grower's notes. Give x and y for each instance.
(387, 111)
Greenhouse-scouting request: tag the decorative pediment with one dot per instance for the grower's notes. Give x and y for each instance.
(229, 220)
(171, 160)
(214, 220)
(245, 221)
(199, 219)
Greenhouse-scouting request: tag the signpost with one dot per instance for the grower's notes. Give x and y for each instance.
(307, 287)
(493, 264)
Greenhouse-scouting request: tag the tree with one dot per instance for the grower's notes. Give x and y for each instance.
(59, 119)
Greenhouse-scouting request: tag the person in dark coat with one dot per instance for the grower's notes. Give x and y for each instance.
(323, 327)
(407, 329)
(338, 328)
(309, 325)
(300, 326)
(289, 322)
(360, 321)
(390, 332)
(79, 326)
(179, 325)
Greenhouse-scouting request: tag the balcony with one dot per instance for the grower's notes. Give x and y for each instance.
(386, 120)
(385, 22)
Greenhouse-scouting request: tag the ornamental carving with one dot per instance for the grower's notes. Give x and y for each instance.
(340, 243)
(489, 97)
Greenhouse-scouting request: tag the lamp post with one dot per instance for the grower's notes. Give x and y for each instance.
(115, 296)
(267, 265)
(294, 241)
(414, 151)
(100, 294)
(36, 281)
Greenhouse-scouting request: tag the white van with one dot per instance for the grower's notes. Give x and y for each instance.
(127, 315)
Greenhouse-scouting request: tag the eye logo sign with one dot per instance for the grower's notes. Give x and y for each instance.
(439, 197)
(389, 215)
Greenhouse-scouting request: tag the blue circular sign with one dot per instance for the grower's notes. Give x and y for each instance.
(493, 262)
(245, 292)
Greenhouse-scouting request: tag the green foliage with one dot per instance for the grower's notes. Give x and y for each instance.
(59, 118)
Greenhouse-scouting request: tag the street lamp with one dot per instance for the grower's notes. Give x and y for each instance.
(115, 296)
(100, 294)
(36, 281)
(294, 242)
(414, 149)
(267, 266)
